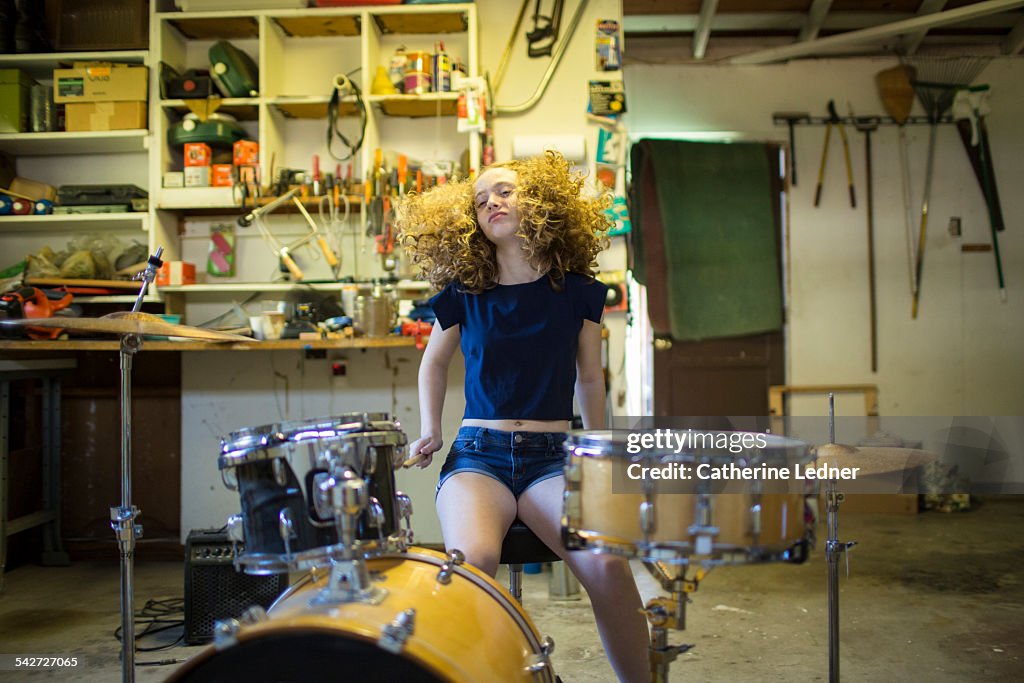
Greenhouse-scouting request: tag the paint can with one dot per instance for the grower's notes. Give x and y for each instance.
(418, 69)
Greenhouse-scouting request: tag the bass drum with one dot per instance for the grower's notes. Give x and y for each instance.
(466, 628)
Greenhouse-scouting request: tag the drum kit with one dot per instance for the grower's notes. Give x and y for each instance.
(681, 533)
(368, 594)
(402, 612)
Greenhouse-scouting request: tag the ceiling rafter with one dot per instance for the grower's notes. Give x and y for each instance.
(823, 45)
(703, 32)
(1015, 41)
(815, 19)
(912, 41)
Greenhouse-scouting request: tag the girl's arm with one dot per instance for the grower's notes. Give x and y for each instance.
(590, 392)
(433, 383)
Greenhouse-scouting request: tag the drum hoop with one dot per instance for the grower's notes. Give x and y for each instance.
(679, 552)
(306, 560)
(493, 590)
(260, 436)
(381, 437)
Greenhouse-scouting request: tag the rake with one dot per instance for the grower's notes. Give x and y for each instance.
(937, 81)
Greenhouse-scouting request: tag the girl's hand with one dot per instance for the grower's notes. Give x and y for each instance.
(421, 451)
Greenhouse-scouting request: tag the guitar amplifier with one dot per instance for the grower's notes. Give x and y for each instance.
(214, 590)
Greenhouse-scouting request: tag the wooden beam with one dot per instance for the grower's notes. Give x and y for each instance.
(823, 45)
(703, 32)
(1015, 41)
(815, 19)
(912, 41)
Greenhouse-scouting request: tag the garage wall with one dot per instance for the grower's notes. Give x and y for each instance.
(962, 355)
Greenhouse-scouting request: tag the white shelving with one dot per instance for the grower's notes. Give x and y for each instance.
(63, 143)
(300, 53)
(80, 158)
(76, 222)
(41, 66)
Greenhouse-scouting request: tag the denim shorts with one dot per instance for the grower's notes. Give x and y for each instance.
(516, 459)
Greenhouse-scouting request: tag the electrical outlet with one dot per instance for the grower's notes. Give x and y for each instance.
(954, 226)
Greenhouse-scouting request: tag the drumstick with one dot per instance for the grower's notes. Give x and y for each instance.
(414, 460)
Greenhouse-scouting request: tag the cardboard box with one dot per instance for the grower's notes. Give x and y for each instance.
(174, 179)
(221, 175)
(197, 176)
(33, 189)
(101, 83)
(246, 153)
(86, 116)
(15, 86)
(176, 273)
(197, 154)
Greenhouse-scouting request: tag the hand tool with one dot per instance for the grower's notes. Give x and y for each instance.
(834, 120)
(791, 118)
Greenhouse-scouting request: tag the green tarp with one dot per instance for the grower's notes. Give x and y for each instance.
(704, 238)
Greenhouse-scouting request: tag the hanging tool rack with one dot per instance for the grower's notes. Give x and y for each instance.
(853, 120)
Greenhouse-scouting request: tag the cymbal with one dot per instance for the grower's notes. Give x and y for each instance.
(127, 322)
(872, 460)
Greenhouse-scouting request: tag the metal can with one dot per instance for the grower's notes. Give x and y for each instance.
(40, 109)
(418, 72)
(396, 68)
(442, 70)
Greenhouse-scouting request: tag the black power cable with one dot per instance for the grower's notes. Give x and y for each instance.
(155, 617)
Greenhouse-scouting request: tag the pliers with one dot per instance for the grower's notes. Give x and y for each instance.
(834, 120)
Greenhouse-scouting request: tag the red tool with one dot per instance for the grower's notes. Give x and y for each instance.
(32, 302)
(419, 330)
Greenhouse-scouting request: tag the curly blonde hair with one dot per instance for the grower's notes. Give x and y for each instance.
(562, 231)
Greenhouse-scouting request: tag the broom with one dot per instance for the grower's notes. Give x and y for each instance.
(897, 95)
(938, 79)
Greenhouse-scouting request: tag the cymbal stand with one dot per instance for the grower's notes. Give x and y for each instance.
(665, 613)
(122, 519)
(834, 548)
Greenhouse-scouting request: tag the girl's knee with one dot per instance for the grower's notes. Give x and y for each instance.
(602, 571)
(483, 558)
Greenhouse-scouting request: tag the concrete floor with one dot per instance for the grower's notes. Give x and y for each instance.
(933, 596)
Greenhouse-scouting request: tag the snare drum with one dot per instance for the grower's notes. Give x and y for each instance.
(462, 626)
(285, 526)
(612, 508)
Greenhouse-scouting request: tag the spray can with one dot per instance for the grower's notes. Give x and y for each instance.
(396, 69)
(442, 69)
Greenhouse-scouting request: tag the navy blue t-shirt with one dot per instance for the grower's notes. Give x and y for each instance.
(519, 343)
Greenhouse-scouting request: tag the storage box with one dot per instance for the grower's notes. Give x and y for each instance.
(86, 116)
(221, 176)
(176, 273)
(197, 154)
(246, 152)
(197, 176)
(84, 25)
(174, 179)
(101, 82)
(33, 189)
(15, 87)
